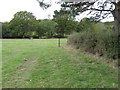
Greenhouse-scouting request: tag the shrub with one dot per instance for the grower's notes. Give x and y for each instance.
(105, 43)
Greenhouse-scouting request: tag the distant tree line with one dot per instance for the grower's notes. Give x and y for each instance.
(25, 25)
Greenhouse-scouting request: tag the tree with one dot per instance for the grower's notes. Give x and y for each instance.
(22, 24)
(98, 9)
(0, 29)
(71, 26)
(38, 29)
(43, 5)
(86, 24)
(6, 32)
(46, 28)
(101, 9)
(61, 25)
(65, 22)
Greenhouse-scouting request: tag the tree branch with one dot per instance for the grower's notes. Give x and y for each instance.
(98, 9)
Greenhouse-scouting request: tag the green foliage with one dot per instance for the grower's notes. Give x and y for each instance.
(22, 23)
(6, 32)
(107, 44)
(70, 27)
(61, 25)
(85, 25)
(65, 22)
(0, 30)
(48, 28)
(63, 13)
(65, 26)
(97, 41)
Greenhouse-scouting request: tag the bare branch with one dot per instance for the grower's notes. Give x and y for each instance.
(98, 9)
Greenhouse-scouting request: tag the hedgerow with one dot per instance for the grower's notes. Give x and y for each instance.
(102, 42)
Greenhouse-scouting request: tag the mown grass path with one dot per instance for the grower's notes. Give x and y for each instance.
(41, 64)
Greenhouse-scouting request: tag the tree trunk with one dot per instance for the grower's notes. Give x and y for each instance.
(58, 42)
(116, 15)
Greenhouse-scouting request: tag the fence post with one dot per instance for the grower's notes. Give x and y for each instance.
(58, 42)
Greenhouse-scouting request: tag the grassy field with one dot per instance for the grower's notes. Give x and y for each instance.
(0, 64)
(41, 64)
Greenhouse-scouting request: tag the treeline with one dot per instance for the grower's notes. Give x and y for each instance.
(25, 25)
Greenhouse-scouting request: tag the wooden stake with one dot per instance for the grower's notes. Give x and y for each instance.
(58, 42)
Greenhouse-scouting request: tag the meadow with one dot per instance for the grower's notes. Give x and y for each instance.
(40, 63)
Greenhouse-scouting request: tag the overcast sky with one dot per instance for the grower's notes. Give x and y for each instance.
(9, 7)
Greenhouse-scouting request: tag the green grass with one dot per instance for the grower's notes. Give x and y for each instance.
(0, 64)
(41, 64)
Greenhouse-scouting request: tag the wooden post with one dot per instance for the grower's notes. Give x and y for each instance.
(58, 42)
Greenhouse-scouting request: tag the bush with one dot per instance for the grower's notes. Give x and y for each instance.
(105, 43)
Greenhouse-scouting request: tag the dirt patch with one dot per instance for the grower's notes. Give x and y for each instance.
(27, 63)
(23, 72)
